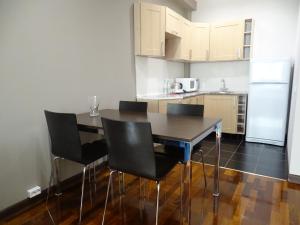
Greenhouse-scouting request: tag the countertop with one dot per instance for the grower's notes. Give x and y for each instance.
(187, 95)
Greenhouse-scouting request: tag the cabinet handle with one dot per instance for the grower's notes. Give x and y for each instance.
(161, 48)
(207, 54)
(239, 53)
(190, 54)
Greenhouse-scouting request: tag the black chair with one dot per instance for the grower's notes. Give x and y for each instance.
(66, 144)
(133, 106)
(184, 110)
(131, 150)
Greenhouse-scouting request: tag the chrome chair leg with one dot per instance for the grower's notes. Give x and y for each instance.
(202, 158)
(48, 192)
(82, 192)
(157, 202)
(58, 187)
(107, 193)
(123, 183)
(181, 189)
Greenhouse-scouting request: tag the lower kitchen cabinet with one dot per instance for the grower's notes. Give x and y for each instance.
(152, 105)
(224, 107)
(162, 106)
(200, 100)
(230, 108)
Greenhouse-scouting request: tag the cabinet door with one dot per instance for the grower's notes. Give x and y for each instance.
(151, 32)
(200, 41)
(152, 105)
(226, 41)
(186, 101)
(193, 100)
(163, 104)
(186, 40)
(173, 23)
(224, 107)
(200, 100)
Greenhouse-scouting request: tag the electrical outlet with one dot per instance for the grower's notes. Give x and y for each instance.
(33, 191)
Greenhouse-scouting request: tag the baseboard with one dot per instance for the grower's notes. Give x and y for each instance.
(294, 178)
(26, 204)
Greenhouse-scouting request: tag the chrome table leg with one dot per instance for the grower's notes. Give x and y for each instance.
(216, 192)
(95, 182)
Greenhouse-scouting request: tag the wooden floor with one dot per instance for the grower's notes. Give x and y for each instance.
(245, 199)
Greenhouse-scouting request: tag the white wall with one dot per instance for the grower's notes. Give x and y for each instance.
(53, 55)
(274, 32)
(151, 72)
(293, 144)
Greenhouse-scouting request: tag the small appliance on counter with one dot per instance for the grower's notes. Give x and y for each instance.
(187, 84)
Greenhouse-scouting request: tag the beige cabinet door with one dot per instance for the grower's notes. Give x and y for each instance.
(186, 101)
(179, 48)
(226, 41)
(152, 105)
(163, 104)
(186, 40)
(149, 25)
(193, 100)
(200, 41)
(200, 100)
(224, 107)
(173, 22)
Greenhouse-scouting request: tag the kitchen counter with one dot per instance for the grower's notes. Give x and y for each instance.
(187, 95)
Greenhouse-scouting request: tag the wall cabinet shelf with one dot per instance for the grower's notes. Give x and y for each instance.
(173, 23)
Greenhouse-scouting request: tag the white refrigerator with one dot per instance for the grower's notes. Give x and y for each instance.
(268, 101)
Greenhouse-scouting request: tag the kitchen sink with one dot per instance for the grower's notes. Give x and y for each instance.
(221, 92)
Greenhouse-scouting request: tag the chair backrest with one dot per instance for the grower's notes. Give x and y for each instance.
(64, 135)
(133, 106)
(130, 147)
(185, 110)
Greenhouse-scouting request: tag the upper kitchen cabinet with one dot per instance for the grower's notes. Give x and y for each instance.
(173, 23)
(186, 39)
(180, 48)
(227, 41)
(149, 27)
(200, 42)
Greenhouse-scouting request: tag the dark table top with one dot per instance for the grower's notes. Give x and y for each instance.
(182, 128)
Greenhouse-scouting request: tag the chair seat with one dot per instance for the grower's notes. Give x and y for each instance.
(163, 165)
(175, 152)
(93, 151)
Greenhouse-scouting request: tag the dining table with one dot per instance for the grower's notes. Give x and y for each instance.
(183, 131)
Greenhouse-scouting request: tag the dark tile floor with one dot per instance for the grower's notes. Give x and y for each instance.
(267, 160)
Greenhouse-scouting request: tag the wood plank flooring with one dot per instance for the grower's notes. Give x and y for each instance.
(245, 199)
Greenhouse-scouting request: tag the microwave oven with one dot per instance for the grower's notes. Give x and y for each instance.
(188, 84)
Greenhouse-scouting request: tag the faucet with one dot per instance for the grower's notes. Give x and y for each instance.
(223, 88)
